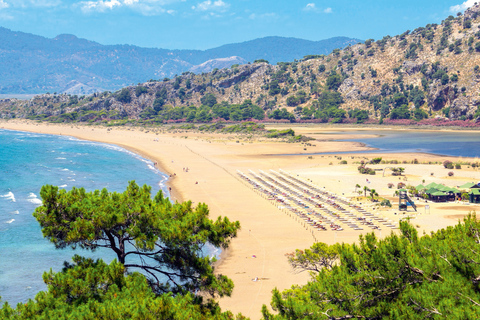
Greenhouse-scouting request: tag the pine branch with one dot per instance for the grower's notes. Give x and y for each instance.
(434, 310)
(471, 300)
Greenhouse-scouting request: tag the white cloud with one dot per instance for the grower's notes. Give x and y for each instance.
(3, 4)
(145, 7)
(461, 7)
(33, 3)
(209, 5)
(311, 7)
(101, 6)
(151, 10)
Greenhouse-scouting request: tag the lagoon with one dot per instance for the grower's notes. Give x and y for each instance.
(448, 143)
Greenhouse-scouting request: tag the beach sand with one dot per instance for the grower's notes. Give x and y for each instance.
(269, 233)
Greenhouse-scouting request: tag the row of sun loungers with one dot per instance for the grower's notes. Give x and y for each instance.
(359, 209)
(320, 209)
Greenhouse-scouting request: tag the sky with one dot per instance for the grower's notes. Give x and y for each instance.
(204, 24)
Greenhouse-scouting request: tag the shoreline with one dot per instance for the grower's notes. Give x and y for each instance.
(267, 233)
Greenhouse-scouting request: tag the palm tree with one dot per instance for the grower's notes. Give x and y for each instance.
(365, 189)
(373, 193)
(356, 187)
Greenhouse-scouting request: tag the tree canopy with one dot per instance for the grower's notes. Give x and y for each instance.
(162, 240)
(400, 277)
(87, 289)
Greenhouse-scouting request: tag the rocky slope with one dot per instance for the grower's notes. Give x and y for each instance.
(430, 72)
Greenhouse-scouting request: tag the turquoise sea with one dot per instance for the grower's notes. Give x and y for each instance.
(30, 160)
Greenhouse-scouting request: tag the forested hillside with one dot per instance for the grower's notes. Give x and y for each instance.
(431, 72)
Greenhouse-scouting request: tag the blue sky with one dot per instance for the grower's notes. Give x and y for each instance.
(203, 24)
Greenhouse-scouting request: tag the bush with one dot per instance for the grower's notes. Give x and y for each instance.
(365, 170)
(386, 203)
(139, 90)
(343, 162)
(208, 100)
(280, 133)
(390, 185)
(397, 171)
(124, 96)
(447, 164)
(450, 173)
(400, 185)
(458, 166)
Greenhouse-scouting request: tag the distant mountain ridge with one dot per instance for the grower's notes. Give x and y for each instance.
(273, 49)
(427, 76)
(35, 64)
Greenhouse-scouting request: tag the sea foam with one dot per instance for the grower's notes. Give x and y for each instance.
(9, 196)
(32, 198)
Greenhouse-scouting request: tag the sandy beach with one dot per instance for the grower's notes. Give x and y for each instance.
(268, 232)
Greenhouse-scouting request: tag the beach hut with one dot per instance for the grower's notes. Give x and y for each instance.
(431, 190)
(474, 196)
(468, 185)
(432, 185)
(451, 194)
(420, 187)
(439, 196)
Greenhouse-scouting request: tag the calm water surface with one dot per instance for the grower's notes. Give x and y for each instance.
(461, 144)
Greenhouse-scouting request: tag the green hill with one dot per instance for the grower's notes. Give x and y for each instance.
(430, 75)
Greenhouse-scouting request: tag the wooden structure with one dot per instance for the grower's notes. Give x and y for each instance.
(474, 196)
(404, 200)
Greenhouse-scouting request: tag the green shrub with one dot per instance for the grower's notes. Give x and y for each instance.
(386, 203)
